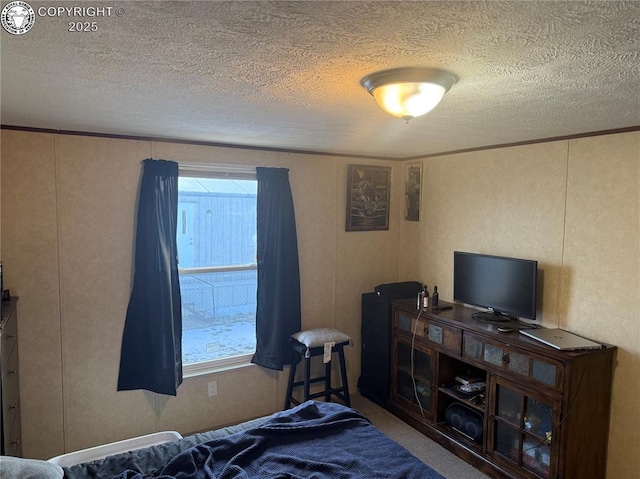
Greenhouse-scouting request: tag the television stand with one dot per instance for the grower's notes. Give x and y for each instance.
(543, 413)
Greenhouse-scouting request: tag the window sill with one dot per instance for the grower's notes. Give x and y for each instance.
(219, 365)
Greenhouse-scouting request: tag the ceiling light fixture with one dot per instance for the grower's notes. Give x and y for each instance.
(408, 92)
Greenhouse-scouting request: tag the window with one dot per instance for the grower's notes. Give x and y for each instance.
(217, 241)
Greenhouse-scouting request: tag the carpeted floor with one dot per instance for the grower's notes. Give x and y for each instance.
(429, 452)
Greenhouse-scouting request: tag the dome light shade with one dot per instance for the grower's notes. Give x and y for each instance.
(408, 92)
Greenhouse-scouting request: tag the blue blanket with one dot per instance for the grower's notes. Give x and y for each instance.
(311, 441)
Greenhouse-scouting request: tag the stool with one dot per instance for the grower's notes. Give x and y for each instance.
(314, 342)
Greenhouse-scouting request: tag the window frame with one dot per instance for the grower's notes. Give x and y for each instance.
(226, 172)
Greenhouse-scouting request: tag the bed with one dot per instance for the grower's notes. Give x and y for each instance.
(314, 440)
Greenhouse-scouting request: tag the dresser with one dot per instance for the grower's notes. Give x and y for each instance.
(10, 425)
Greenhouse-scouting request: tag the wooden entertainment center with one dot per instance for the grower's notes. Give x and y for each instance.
(543, 414)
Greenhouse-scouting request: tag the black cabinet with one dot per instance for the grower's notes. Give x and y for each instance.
(376, 328)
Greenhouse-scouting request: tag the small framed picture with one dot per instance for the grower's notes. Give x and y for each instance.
(368, 191)
(412, 189)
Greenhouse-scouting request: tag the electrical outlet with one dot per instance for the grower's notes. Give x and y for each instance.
(213, 388)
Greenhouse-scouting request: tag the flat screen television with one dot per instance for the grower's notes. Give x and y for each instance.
(504, 286)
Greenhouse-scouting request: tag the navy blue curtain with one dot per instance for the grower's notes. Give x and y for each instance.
(278, 302)
(151, 355)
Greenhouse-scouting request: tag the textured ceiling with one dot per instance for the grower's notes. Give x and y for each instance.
(286, 74)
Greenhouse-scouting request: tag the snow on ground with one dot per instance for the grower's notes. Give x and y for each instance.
(214, 342)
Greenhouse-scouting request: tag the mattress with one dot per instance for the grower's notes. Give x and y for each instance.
(314, 440)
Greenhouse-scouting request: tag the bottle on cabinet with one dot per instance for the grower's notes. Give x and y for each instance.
(425, 297)
(434, 298)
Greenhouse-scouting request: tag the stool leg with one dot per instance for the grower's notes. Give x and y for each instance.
(307, 378)
(292, 375)
(345, 383)
(327, 382)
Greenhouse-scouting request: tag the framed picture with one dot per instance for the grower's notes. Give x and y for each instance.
(412, 189)
(368, 189)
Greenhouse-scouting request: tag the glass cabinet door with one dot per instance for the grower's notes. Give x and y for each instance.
(522, 426)
(413, 378)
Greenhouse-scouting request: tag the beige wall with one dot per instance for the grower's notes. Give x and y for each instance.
(68, 206)
(575, 207)
(67, 238)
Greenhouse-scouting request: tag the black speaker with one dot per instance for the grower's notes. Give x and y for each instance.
(465, 420)
(376, 348)
(375, 360)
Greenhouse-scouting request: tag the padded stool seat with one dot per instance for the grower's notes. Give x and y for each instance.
(319, 342)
